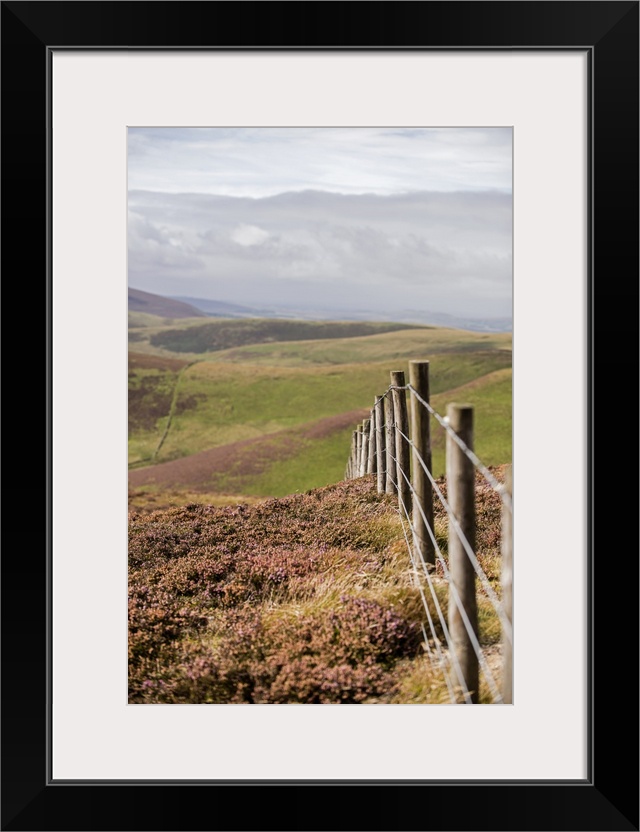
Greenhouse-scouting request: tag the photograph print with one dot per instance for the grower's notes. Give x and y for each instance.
(320, 415)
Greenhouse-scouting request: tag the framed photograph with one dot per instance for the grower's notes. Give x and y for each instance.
(563, 79)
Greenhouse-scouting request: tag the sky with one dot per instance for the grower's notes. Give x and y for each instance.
(380, 219)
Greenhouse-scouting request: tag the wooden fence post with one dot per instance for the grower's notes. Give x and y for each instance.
(354, 461)
(371, 462)
(358, 451)
(381, 453)
(352, 457)
(421, 437)
(506, 580)
(364, 455)
(390, 445)
(461, 496)
(402, 446)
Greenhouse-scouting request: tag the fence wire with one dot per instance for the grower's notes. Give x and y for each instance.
(484, 580)
(442, 661)
(497, 486)
(448, 664)
(497, 697)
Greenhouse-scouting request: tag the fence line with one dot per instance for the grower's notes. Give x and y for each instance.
(467, 614)
(444, 422)
(445, 630)
(398, 452)
(484, 580)
(447, 634)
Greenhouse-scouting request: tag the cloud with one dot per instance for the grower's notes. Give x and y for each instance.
(261, 162)
(249, 235)
(394, 215)
(153, 248)
(446, 252)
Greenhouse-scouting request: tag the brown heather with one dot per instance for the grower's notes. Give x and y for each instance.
(308, 598)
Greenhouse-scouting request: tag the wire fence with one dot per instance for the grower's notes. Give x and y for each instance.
(394, 444)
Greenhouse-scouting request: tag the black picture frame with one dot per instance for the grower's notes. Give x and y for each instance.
(608, 798)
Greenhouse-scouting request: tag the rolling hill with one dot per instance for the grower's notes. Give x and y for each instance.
(151, 304)
(268, 419)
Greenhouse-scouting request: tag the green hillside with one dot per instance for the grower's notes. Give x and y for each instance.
(322, 460)
(271, 419)
(219, 403)
(408, 344)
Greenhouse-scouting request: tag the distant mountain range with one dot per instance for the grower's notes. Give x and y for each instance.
(179, 306)
(223, 309)
(220, 309)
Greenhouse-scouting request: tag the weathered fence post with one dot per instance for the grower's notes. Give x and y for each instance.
(421, 437)
(380, 445)
(352, 456)
(365, 448)
(506, 579)
(390, 445)
(461, 495)
(356, 440)
(371, 462)
(358, 451)
(401, 444)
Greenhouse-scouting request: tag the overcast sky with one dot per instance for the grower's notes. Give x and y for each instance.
(383, 219)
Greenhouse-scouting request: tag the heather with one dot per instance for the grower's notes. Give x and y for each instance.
(304, 599)
(226, 334)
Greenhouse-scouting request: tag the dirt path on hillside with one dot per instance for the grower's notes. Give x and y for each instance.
(248, 457)
(172, 408)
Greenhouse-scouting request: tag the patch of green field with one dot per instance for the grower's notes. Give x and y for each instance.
(147, 319)
(222, 334)
(231, 402)
(143, 319)
(491, 398)
(321, 462)
(304, 464)
(263, 390)
(408, 344)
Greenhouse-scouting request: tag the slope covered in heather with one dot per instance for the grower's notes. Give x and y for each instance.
(304, 599)
(151, 304)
